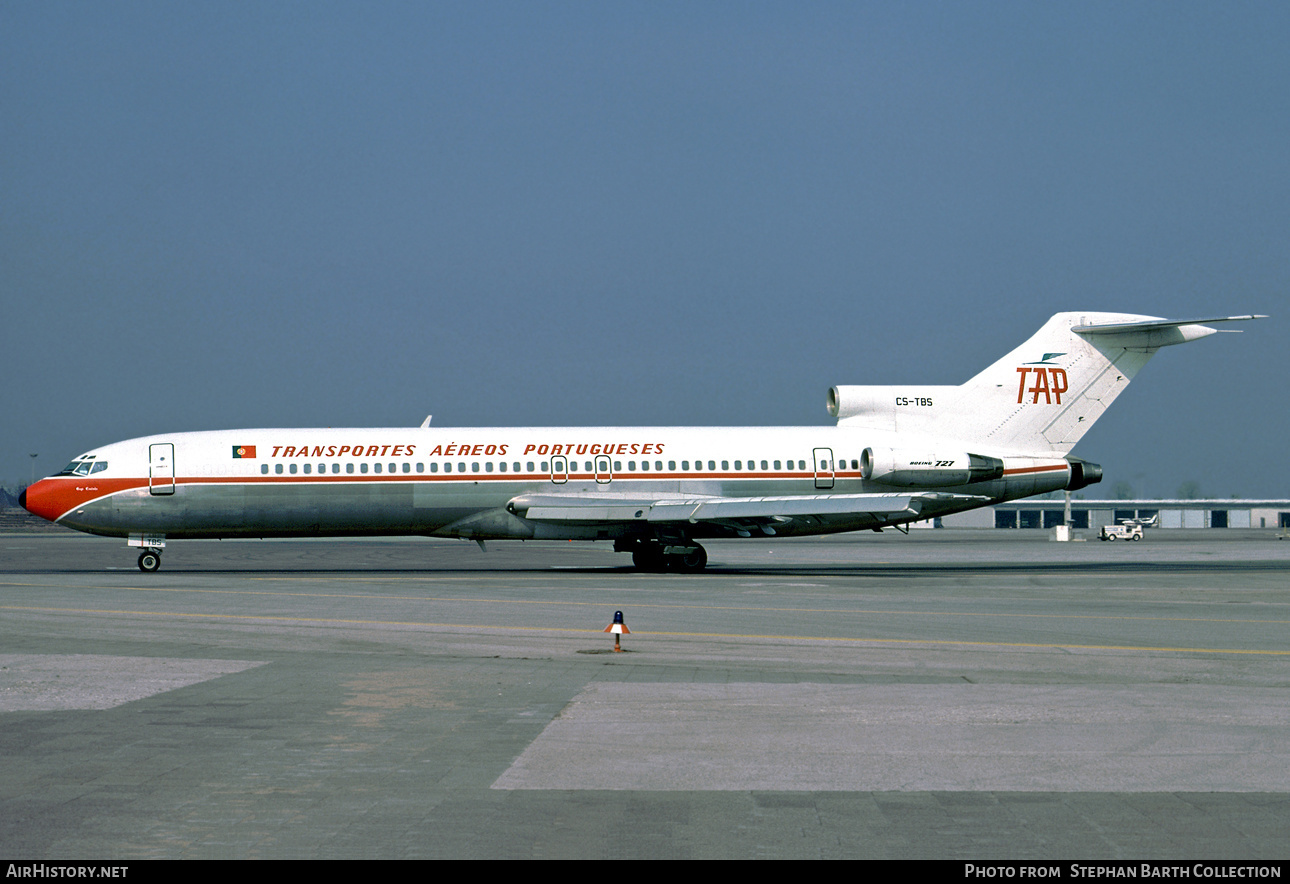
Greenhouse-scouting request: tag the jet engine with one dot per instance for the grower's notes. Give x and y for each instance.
(1083, 474)
(851, 401)
(917, 468)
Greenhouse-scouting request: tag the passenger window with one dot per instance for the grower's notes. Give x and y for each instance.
(712, 465)
(277, 468)
(618, 465)
(725, 465)
(474, 466)
(349, 467)
(671, 466)
(529, 466)
(434, 467)
(376, 468)
(308, 468)
(739, 465)
(502, 466)
(407, 468)
(516, 466)
(264, 469)
(461, 466)
(292, 469)
(801, 464)
(447, 467)
(645, 466)
(362, 468)
(764, 465)
(545, 466)
(776, 464)
(685, 464)
(488, 467)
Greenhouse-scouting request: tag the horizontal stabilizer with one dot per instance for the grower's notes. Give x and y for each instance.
(1116, 328)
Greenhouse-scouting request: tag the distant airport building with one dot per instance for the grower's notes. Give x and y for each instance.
(1094, 514)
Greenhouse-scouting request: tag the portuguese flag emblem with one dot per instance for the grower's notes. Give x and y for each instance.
(243, 451)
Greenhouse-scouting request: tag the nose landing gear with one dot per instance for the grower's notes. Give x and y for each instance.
(149, 560)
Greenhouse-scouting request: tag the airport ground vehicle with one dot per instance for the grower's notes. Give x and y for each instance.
(1120, 532)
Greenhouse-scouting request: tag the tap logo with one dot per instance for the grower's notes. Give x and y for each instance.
(1050, 383)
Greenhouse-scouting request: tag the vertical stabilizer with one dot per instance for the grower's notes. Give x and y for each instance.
(1041, 397)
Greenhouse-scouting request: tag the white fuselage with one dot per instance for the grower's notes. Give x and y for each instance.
(450, 482)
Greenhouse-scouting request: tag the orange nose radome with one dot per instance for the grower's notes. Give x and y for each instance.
(44, 499)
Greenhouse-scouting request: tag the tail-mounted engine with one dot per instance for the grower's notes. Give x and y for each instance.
(1083, 474)
(908, 468)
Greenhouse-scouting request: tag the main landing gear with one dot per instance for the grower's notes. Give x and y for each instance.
(150, 560)
(653, 555)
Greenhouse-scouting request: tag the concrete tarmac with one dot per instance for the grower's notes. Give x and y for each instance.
(951, 694)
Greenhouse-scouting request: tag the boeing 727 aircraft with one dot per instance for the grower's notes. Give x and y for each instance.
(898, 454)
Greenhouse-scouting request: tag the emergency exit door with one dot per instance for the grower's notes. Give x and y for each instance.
(823, 467)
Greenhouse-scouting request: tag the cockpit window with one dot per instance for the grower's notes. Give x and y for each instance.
(83, 467)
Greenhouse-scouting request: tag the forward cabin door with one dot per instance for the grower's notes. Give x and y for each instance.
(823, 467)
(161, 468)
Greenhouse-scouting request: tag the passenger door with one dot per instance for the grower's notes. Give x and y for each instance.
(161, 468)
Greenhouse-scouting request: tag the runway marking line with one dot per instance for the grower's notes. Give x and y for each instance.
(654, 605)
(709, 635)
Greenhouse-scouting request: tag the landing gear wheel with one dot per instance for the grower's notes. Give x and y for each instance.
(649, 557)
(149, 560)
(692, 562)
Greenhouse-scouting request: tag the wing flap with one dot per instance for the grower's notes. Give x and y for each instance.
(575, 508)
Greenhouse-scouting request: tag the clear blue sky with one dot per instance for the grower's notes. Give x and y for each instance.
(314, 214)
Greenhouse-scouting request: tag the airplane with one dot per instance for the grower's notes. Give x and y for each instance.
(898, 454)
(1141, 523)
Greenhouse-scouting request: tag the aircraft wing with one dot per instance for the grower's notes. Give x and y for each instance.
(731, 511)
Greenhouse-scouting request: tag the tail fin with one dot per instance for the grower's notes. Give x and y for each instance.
(1041, 397)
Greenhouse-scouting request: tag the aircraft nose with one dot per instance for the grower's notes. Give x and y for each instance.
(45, 499)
